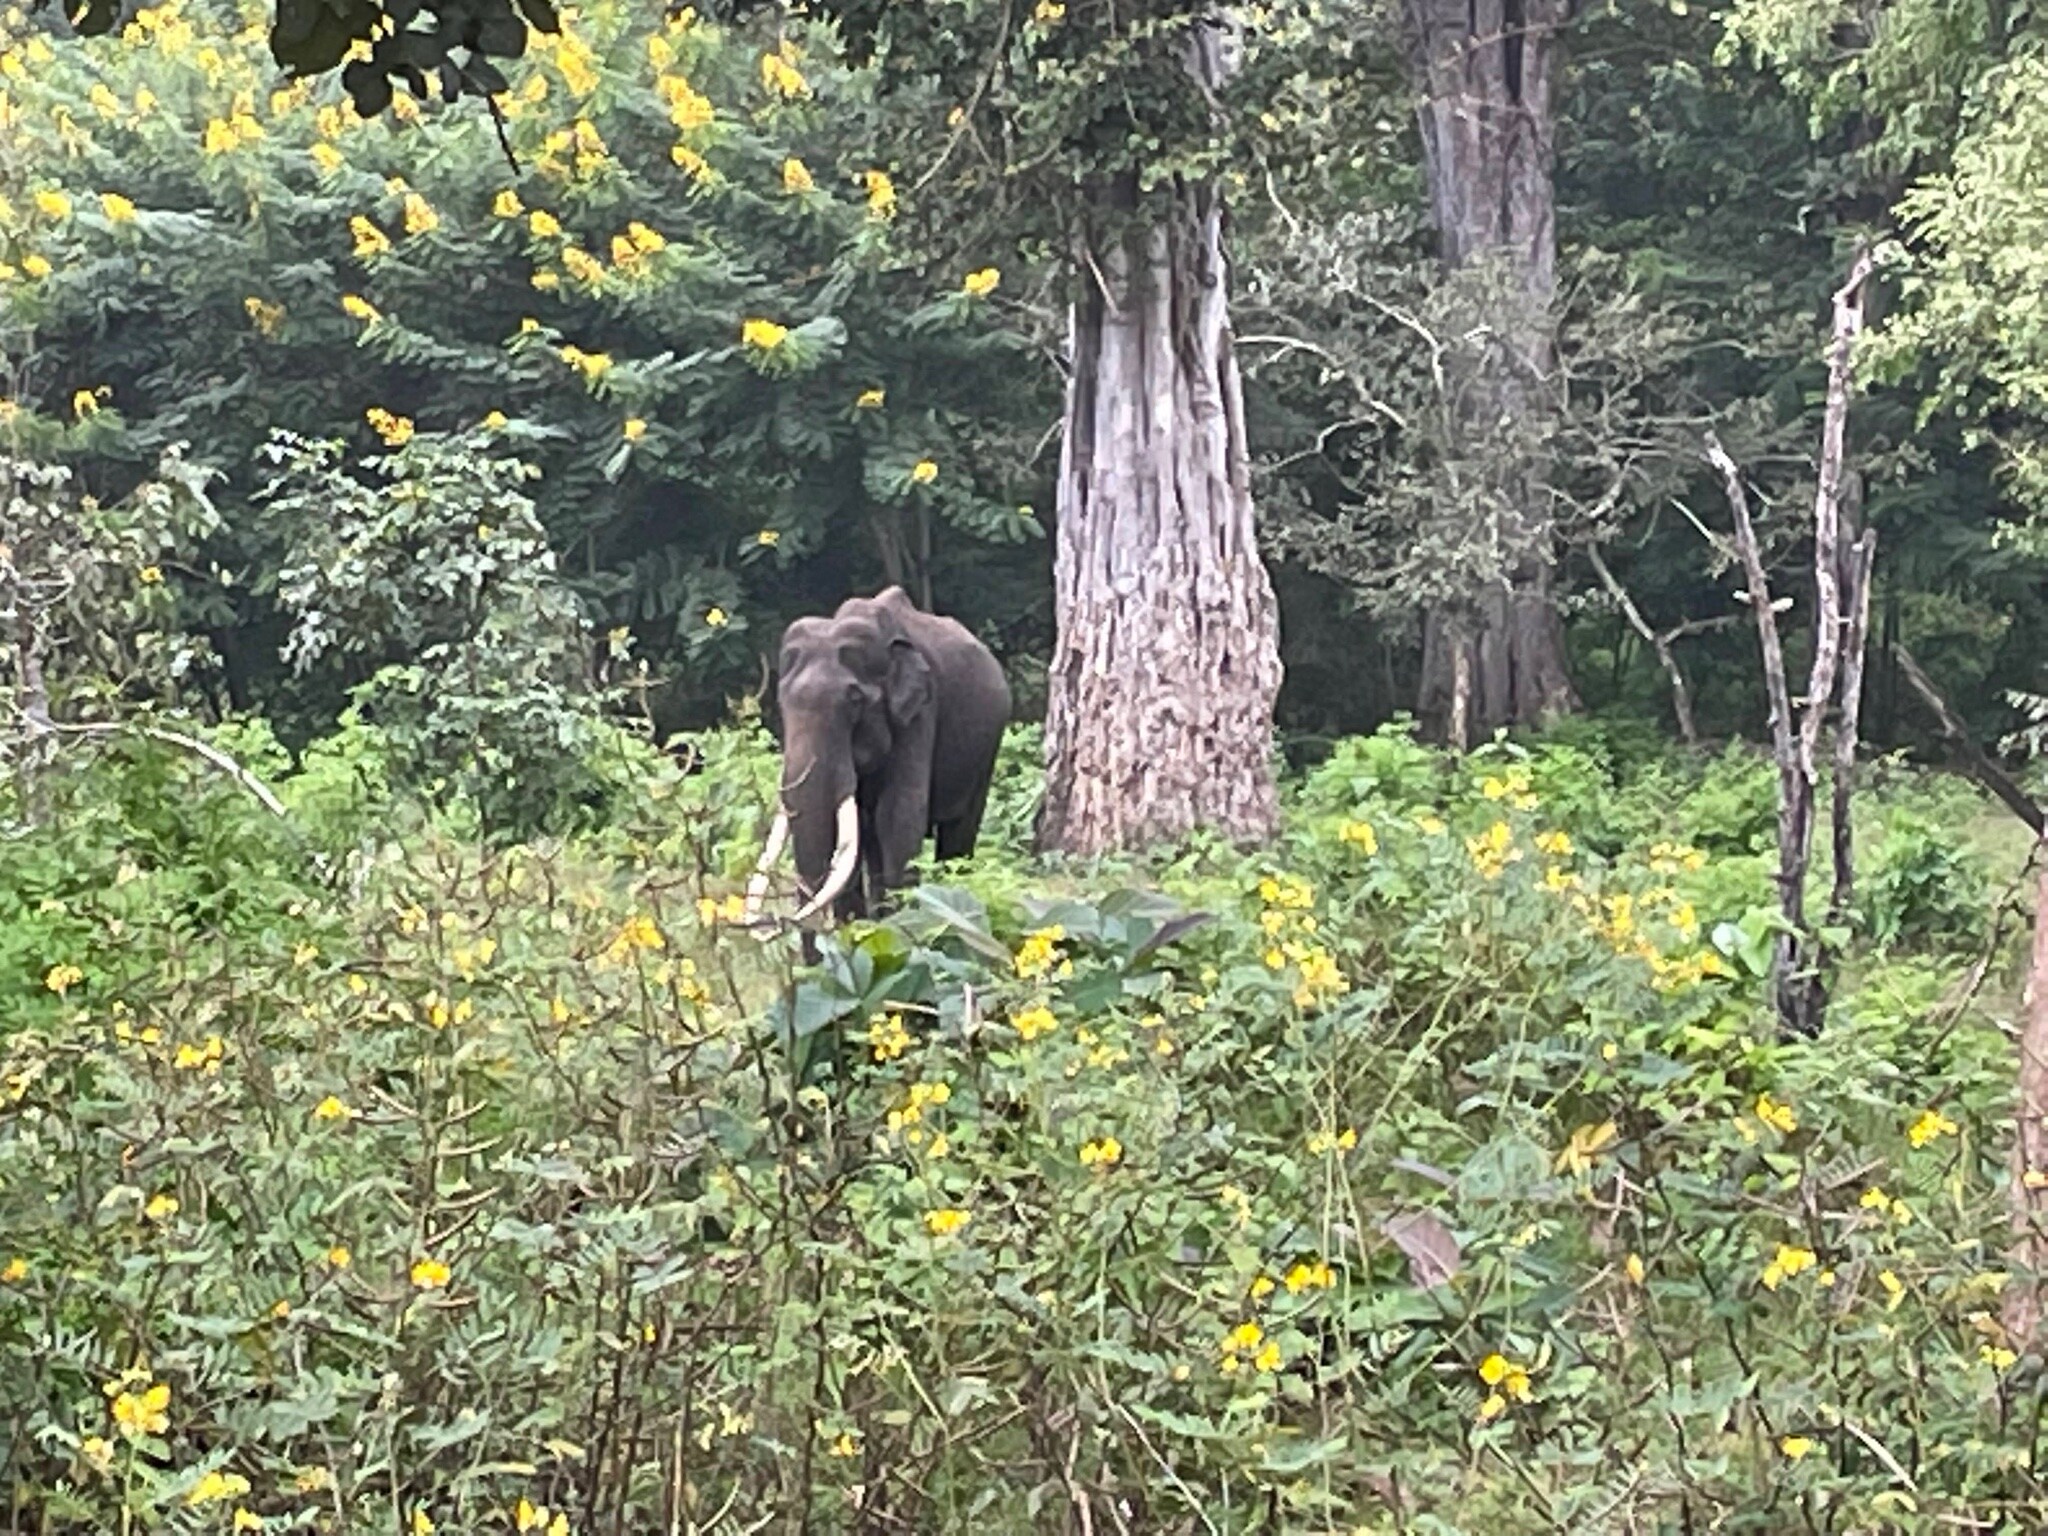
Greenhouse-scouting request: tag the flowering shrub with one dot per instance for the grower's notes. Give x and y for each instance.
(518, 1191)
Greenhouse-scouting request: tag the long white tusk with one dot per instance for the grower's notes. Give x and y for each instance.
(757, 888)
(845, 854)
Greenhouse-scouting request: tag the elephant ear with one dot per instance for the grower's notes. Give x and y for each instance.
(910, 683)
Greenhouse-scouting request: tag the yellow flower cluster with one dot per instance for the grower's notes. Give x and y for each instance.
(1584, 1146)
(1033, 1022)
(1788, 1263)
(980, 284)
(430, 1274)
(60, 979)
(780, 75)
(1040, 954)
(225, 135)
(371, 241)
(763, 335)
(395, 430)
(923, 1096)
(1932, 1125)
(203, 1058)
(1875, 1199)
(887, 1037)
(881, 194)
(215, 1487)
(637, 934)
(1322, 1143)
(592, 365)
(687, 107)
(924, 472)
(796, 177)
(529, 1516)
(1512, 788)
(1673, 858)
(1506, 1383)
(1247, 1344)
(1360, 835)
(140, 1413)
(1493, 850)
(1102, 1154)
(946, 1222)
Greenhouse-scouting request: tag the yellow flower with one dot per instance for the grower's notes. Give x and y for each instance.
(98, 1451)
(545, 225)
(1780, 1117)
(716, 618)
(1587, 1143)
(1047, 12)
(370, 240)
(780, 76)
(763, 335)
(36, 265)
(267, 318)
(143, 1413)
(200, 1058)
(430, 1274)
(1557, 845)
(506, 205)
(60, 979)
(1033, 1022)
(1324, 1142)
(869, 400)
(52, 204)
(496, 421)
(1795, 1446)
(1302, 1277)
(547, 281)
(768, 538)
(634, 429)
(980, 284)
(395, 430)
(1268, 1358)
(1931, 1126)
(796, 177)
(1491, 1407)
(356, 307)
(1360, 835)
(1998, 1357)
(422, 1523)
(887, 1036)
(592, 365)
(118, 209)
(1788, 1262)
(1243, 1339)
(420, 216)
(881, 194)
(339, 1257)
(944, 1223)
(1493, 850)
(327, 158)
(1102, 1153)
(15, 1271)
(1506, 1377)
(688, 108)
(216, 1485)
(161, 1207)
(845, 1446)
(583, 266)
(924, 472)
(331, 1108)
(247, 1520)
(528, 1516)
(689, 160)
(85, 403)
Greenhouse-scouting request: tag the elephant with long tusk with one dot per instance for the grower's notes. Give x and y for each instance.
(891, 719)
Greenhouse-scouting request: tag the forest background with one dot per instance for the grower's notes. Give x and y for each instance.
(411, 467)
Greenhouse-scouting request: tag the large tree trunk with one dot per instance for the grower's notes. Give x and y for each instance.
(1167, 661)
(1484, 71)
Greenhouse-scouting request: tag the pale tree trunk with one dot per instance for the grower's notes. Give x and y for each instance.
(2022, 1303)
(1484, 70)
(1167, 662)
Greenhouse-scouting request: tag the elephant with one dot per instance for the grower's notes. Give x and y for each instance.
(891, 719)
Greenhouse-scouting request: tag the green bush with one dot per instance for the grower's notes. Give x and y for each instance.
(1427, 1172)
(1922, 883)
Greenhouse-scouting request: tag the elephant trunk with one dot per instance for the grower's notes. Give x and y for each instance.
(818, 808)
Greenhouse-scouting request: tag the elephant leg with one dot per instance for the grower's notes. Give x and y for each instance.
(957, 837)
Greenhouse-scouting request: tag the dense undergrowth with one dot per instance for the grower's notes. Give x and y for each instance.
(1434, 1170)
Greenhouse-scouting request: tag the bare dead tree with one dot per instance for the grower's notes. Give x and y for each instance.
(1835, 680)
(1660, 642)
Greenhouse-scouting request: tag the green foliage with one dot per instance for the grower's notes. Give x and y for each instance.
(1217, 1198)
(1923, 885)
(431, 573)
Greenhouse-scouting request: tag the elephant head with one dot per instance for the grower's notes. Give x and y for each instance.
(849, 688)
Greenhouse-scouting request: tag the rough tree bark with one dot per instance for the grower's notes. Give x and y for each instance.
(1484, 70)
(1167, 660)
(2029, 1199)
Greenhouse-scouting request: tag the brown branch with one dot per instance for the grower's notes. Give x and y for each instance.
(1681, 696)
(1862, 562)
(1969, 756)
